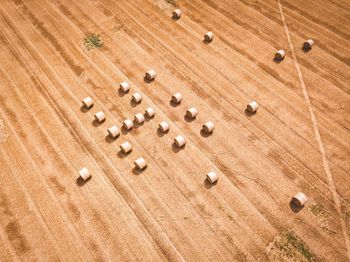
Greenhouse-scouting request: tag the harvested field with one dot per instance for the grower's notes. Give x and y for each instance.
(57, 52)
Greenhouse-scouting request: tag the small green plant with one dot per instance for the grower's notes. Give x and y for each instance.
(294, 247)
(93, 41)
(172, 2)
(318, 209)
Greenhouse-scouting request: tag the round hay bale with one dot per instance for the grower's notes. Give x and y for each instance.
(308, 44)
(136, 98)
(299, 199)
(177, 14)
(113, 131)
(140, 163)
(209, 36)
(208, 127)
(139, 118)
(100, 117)
(176, 98)
(149, 112)
(124, 87)
(151, 75)
(128, 124)
(212, 177)
(280, 54)
(164, 127)
(126, 147)
(192, 113)
(84, 174)
(88, 102)
(179, 141)
(252, 107)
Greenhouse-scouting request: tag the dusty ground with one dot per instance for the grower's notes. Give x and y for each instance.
(169, 211)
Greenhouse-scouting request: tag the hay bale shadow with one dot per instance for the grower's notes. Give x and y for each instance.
(137, 171)
(189, 119)
(121, 93)
(147, 81)
(96, 123)
(173, 104)
(177, 149)
(248, 113)
(294, 207)
(277, 61)
(204, 134)
(160, 133)
(80, 182)
(133, 103)
(110, 139)
(209, 185)
(83, 109)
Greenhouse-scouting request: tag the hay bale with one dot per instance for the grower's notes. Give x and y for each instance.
(151, 75)
(140, 163)
(164, 127)
(100, 117)
(139, 118)
(280, 54)
(176, 98)
(124, 87)
(299, 199)
(88, 102)
(149, 112)
(113, 131)
(209, 36)
(208, 127)
(128, 124)
(84, 174)
(192, 113)
(177, 14)
(308, 44)
(212, 177)
(136, 98)
(179, 141)
(126, 147)
(252, 107)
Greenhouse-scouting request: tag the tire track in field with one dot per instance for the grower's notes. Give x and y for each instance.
(325, 161)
